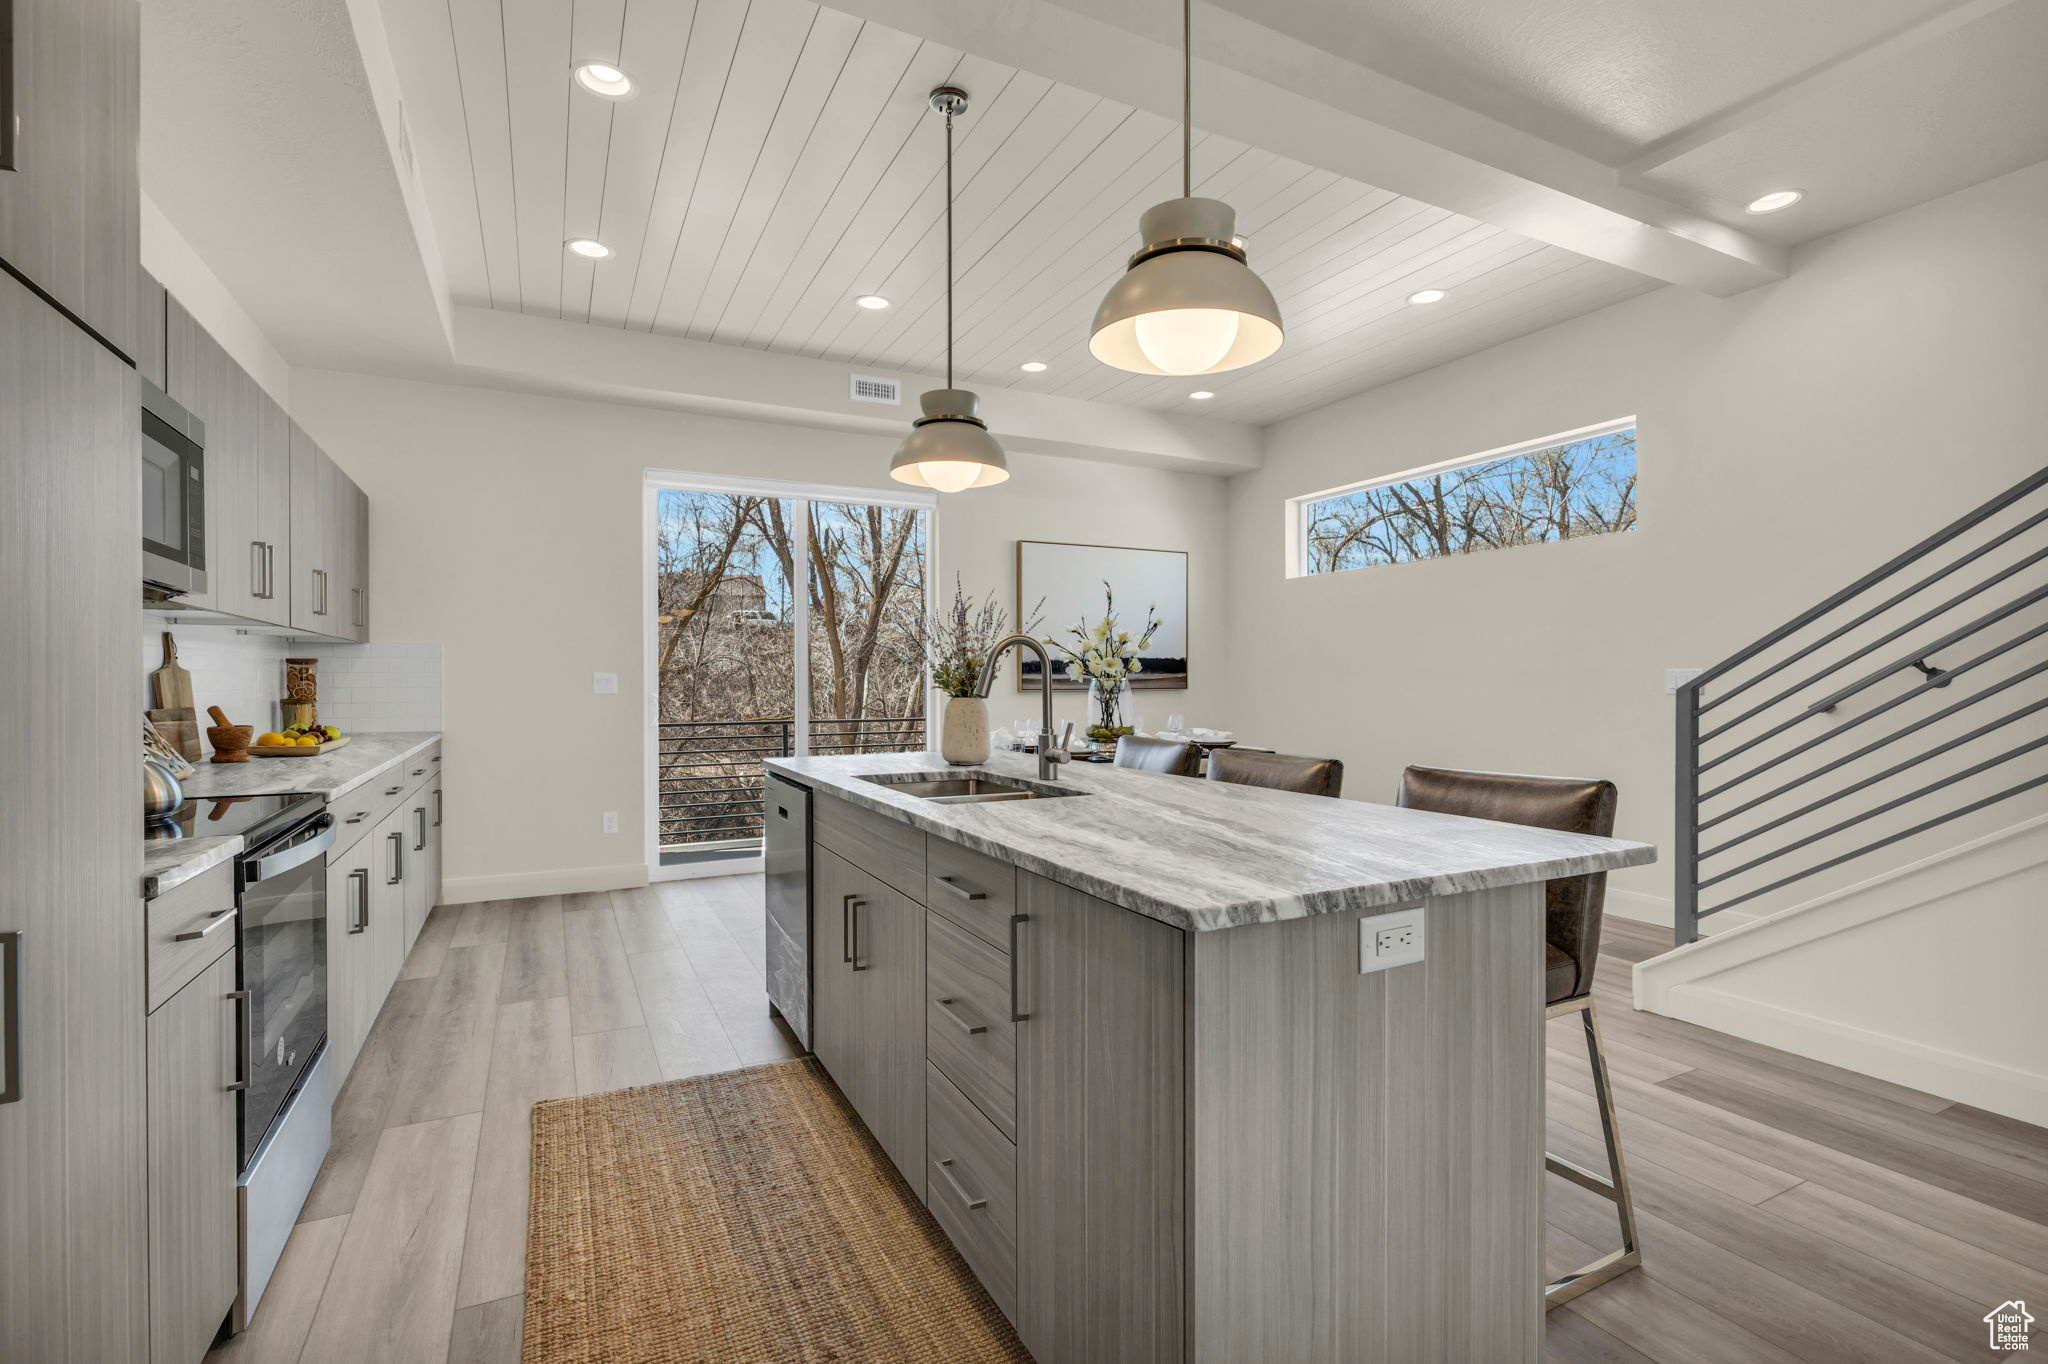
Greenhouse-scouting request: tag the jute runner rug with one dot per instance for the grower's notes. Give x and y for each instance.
(743, 1218)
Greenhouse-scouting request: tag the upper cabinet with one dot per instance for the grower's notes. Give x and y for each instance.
(149, 328)
(329, 524)
(70, 205)
(287, 532)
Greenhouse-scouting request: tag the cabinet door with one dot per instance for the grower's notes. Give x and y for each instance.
(888, 954)
(1100, 1129)
(392, 847)
(73, 1268)
(149, 328)
(836, 1023)
(193, 1237)
(70, 201)
(348, 954)
(430, 866)
(360, 561)
(311, 555)
(419, 813)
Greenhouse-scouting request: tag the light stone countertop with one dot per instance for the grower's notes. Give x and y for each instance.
(328, 774)
(174, 861)
(1203, 855)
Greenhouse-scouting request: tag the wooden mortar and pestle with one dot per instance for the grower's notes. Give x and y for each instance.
(230, 742)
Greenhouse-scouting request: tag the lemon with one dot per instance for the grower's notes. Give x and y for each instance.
(271, 740)
(309, 742)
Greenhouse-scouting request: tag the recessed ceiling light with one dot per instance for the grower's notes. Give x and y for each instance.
(1426, 296)
(1775, 200)
(1201, 395)
(601, 78)
(589, 248)
(1033, 367)
(872, 301)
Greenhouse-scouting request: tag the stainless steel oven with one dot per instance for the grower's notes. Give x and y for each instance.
(173, 497)
(281, 887)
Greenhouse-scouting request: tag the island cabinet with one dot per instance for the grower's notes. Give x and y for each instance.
(1030, 1092)
(1155, 1143)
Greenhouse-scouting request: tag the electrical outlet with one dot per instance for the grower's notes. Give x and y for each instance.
(1386, 940)
(611, 821)
(604, 684)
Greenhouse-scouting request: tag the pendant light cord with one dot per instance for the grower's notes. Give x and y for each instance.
(1187, 99)
(949, 250)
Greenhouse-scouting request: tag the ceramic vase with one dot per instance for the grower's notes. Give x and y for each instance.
(963, 735)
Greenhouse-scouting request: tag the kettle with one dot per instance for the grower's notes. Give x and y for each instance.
(161, 793)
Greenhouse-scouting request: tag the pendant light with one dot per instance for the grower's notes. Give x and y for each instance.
(949, 447)
(1188, 303)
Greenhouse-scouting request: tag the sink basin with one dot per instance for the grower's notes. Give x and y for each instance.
(963, 790)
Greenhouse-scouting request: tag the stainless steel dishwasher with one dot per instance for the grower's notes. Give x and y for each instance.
(786, 862)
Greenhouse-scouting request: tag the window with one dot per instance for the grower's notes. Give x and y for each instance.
(1563, 487)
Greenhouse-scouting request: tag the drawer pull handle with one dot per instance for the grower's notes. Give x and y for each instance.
(945, 1007)
(357, 818)
(1017, 1015)
(846, 930)
(10, 1045)
(220, 917)
(962, 891)
(392, 791)
(973, 1204)
(853, 938)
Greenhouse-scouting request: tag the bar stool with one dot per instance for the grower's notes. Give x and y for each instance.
(1279, 771)
(1573, 906)
(1157, 755)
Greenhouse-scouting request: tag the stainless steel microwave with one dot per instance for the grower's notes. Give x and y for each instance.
(173, 497)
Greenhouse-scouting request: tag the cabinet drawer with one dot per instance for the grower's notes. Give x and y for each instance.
(891, 852)
(972, 1189)
(417, 770)
(188, 927)
(975, 891)
(968, 1032)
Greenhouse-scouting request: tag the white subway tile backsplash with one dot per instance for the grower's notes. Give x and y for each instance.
(364, 688)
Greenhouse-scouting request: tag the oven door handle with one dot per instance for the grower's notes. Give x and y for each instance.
(297, 855)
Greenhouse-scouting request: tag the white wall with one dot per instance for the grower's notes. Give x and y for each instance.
(507, 527)
(1791, 438)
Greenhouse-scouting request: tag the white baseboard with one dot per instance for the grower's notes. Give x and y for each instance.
(463, 890)
(1657, 909)
(2000, 1089)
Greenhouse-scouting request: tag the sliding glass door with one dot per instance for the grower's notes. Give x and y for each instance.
(784, 621)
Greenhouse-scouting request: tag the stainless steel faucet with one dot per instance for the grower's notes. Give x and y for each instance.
(1050, 755)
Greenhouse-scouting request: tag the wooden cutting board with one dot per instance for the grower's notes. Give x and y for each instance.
(175, 715)
(172, 683)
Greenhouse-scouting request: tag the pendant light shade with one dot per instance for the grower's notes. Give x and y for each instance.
(1188, 304)
(949, 447)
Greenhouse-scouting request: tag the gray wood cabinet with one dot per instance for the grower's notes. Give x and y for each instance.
(72, 1234)
(350, 907)
(149, 327)
(419, 883)
(868, 981)
(70, 203)
(1101, 1111)
(194, 1066)
(329, 551)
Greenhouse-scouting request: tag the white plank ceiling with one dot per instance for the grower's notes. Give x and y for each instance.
(778, 160)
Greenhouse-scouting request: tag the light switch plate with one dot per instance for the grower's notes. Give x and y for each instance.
(1393, 939)
(604, 684)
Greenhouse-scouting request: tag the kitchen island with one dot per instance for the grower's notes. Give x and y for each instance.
(1139, 1047)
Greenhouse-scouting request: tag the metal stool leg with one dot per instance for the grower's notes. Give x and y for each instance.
(1613, 1186)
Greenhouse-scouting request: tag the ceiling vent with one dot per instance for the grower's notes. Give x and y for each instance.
(866, 388)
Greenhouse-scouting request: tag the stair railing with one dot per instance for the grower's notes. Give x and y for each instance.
(1715, 790)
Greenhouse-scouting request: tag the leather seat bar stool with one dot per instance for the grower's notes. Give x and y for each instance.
(1158, 755)
(1573, 907)
(1279, 771)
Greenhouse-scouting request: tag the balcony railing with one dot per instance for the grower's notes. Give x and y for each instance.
(710, 784)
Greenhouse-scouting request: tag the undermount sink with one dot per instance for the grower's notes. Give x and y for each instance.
(974, 790)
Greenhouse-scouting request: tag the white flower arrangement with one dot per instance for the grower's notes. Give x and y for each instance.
(1107, 656)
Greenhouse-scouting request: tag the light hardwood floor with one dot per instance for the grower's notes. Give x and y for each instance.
(1791, 1213)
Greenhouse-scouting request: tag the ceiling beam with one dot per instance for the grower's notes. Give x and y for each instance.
(1849, 66)
(1291, 96)
(581, 360)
